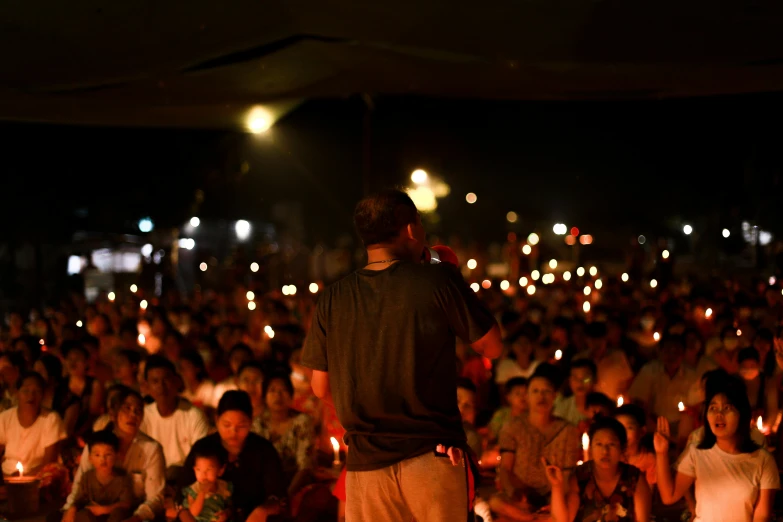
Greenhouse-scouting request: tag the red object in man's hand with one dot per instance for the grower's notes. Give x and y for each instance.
(446, 255)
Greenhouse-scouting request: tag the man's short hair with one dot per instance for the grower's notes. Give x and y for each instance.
(155, 362)
(380, 217)
(586, 364)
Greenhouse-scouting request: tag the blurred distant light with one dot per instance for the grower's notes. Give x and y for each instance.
(269, 332)
(624, 277)
(687, 229)
(242, 229)
(259, 120)
(535, 275)
(533, 239)
(141, 340)
(291, 289)
(250, 295)
(739, 332)
(187, 243)
(665, 254)
(586, 239)
(146, 225)
(194, 222)
(570, 240)
(314, 288)
(553, 263)
(143, 304)
(512, 217)
(471, 198)
(79, 323)
(475, 287)
(772, 280)
(504, 285)
(526, 250)
(548, 279)
(765, 238)
(424, 198)
(656, 336)
(251, 305)
(111, 296)
(586, 306)
(74, 265)
(254, 267)
(523, 281)
(708, 313)
(472, 264)
(580, 271)
(653, 283)
(419, 176)
(146, 250)
(486, 284)
(134, 288)
(560, 229)
(558, 354)
(599, 284)
(203, 267)
(593, 271)
(641, 239)
(567, 276)
(587, 290)
(726, 232)
(531, 289)
(574, 231)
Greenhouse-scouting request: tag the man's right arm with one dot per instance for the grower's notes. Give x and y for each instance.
(491, 345)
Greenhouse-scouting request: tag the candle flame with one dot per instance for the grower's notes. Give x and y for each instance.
(335, 444)
(558, 355)
(708, 313)
(585, 441)
(20, 468)
(760, 424)
(620, 401)
(681, 406)
(657, 336)
(579, 462)
(142, 340)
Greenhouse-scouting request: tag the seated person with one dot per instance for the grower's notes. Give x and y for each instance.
(29, 433)
(171, 420)
(605, 487)
(105, 493)
(521, 361)
(139, 455)
(762, 390)
(516, 398)
(209, 498)
(239, 354)
(581, 380)
(125, 368)
(466, 402)
(112, 395)
(525, 440)
(639, 451)
(199, 388)
(597, 405)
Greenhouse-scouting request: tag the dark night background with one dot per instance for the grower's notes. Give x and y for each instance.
(624, 167)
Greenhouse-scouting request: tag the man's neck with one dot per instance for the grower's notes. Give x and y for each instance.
(380, 257)
(104, 476)
(167, 407)
(27, 416)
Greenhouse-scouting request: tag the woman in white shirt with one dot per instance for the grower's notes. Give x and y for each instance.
(139, 455)
(29, 433)
(735, 479)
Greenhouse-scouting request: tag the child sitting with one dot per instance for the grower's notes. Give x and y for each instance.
(516, 397)
(209, 498)
(466, 401)
(105, 493)
(639, 451)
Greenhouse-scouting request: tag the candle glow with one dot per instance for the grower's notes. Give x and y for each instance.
(336, 448)
(620, 401)
(681, 406)
(20, 468)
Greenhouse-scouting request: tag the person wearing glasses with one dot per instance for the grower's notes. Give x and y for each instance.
(735, 479)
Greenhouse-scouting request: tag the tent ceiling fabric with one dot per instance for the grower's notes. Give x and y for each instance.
(203, 63)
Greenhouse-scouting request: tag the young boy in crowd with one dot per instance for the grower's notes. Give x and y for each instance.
(516, 398)
(466, 402)
(105, 493)
(209, 498)
(581, 380)
(637, 453)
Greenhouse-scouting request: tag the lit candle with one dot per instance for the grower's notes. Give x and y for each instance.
(656, 336)
(579, 462)
(681, 406)
(620, 401)
(760, 424)
(585, 446)
(558, 354)
(20, 468)
(336, 447)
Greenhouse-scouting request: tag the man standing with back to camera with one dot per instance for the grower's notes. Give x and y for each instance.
(382, 346)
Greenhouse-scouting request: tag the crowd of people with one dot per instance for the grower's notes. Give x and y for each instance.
(200, 409)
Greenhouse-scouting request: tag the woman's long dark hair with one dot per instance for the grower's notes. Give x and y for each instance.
(736, 394)
(118, 400)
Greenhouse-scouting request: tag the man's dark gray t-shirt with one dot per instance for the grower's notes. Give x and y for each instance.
(387, 339)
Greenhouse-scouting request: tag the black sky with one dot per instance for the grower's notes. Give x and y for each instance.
(639, 165)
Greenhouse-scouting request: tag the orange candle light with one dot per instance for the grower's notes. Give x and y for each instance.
(336, 448)
(585, 446)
